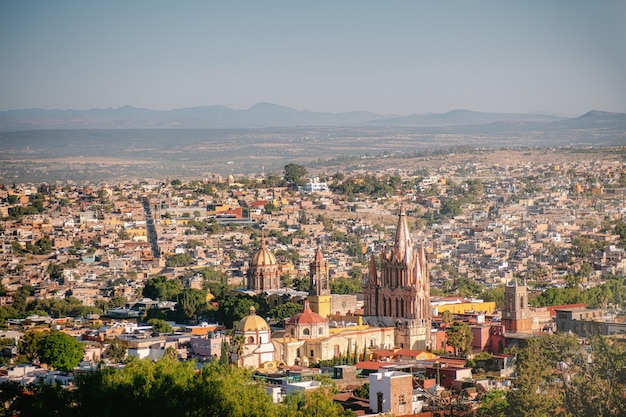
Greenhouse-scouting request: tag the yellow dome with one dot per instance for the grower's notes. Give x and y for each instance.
(263, 257)
(252, 322)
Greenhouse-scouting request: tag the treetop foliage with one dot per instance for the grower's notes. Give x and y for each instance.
(166, 387)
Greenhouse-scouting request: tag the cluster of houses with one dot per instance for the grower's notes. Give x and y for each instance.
(97, 243)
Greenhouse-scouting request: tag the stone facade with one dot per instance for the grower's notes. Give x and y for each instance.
(400, 294)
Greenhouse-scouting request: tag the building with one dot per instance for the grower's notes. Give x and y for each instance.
(586, 322)
(264, 271)
(209, 346)
(391, 392)
(400, 295)
(516, 315)
(257, 347)
(320, 298)
(314, 186)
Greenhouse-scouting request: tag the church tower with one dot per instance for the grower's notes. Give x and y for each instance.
(516, 316)
(399, 295)
(263, 273)
(319, 291)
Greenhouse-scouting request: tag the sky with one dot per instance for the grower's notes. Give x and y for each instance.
(389, 57)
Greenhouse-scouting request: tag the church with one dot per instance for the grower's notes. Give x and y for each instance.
(399, 295)
(397, 310)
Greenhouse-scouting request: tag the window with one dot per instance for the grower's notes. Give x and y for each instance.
(306, 332)
(320, 330)
(312, 353)
(251, 340)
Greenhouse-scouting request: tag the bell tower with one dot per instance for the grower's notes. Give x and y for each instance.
(319, 291)
(516, 316)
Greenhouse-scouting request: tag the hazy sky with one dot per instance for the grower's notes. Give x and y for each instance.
(560, 56)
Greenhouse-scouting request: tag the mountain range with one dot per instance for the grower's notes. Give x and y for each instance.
(271, 115)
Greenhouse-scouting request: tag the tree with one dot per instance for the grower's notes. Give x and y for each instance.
(29, 345)
(238, 343)
(537, 389)
(447, 317)
(318, 403)
(343, 285)
(286, 310)
(494, 404)
(224, 354)
(20, 296)
(363, 391)
(116, 351)
(294, 174)
(459, 336)
(191, 304)
(595, 388)
(270, 208)
(162, 288)
(60, 350)
(159, 326)
(581, 247)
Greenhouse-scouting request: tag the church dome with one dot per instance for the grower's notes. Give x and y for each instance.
(307, 316)
(263, 257)
(252, 322)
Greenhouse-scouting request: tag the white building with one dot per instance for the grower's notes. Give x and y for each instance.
(314, 186)
(257, 347)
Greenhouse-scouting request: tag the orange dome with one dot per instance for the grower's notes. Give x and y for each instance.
(252, 322)
(307, 316)
(263, 257)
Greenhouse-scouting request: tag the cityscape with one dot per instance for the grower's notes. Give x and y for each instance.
(303, 209)
(412, 291)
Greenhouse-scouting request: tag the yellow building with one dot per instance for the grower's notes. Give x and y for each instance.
(458, 305)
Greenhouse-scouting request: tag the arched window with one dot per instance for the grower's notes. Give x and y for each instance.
(320, 330)
(306, 332)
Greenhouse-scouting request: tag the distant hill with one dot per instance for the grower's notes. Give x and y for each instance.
(264, 115)
(462, 118)
(128, 117)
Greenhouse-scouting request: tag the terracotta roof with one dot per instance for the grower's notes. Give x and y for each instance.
(370, 365)
(307, 316)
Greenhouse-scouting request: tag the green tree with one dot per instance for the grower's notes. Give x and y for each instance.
(596, 388)
(318, 403)
(159, 326)
(162, 288)
(270, 208)
(55, 271)
(116, 351)
(191, 304)
(295, 174)
(363, 391)
(538, 392)
(447, 317)
(581, 247)
(459, 336)
(494, 404)
(344, 285)
(239, 342)
(20, 297)
(60, 350)
(29, 344)
(286, 310)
